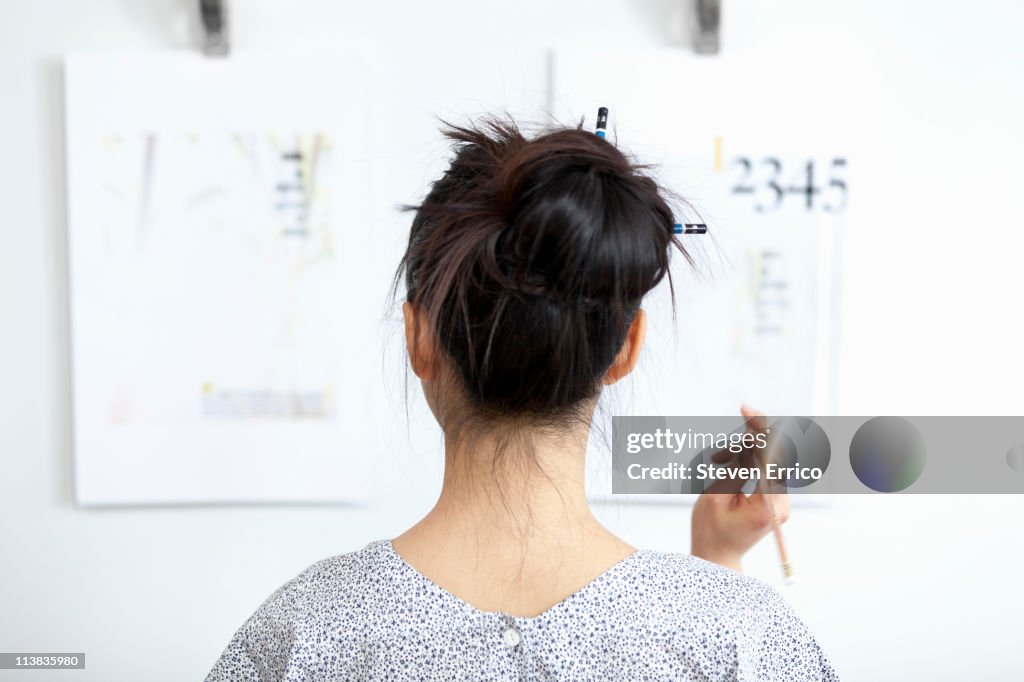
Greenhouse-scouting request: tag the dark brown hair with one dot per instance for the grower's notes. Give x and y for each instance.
(529, 258)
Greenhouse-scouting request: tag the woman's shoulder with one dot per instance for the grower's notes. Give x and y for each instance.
(340, 571)
(348, 580)
(322, 603)
(671, 574)
(695, 600)
(686, 587)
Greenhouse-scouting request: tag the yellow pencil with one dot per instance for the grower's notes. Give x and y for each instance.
(780, 541)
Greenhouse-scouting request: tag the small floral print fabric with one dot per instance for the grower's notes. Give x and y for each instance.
(370, 616)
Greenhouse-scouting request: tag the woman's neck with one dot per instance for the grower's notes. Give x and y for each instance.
(512, 522)
(526, 484)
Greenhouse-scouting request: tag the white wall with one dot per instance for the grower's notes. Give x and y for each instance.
(922, 587)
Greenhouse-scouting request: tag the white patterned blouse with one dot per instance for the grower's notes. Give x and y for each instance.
(370, 616)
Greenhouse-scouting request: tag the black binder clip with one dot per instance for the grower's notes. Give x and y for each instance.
(707, 19)
(213, 15)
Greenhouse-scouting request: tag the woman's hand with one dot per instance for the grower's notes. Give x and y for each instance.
(726, 523)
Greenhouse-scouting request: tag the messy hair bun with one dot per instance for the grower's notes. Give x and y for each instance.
(529, 258)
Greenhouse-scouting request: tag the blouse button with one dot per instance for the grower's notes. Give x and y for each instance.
(511, 637)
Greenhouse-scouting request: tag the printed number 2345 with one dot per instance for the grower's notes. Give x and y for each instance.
(763, 181)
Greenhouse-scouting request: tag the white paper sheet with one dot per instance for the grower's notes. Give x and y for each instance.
(214, 234)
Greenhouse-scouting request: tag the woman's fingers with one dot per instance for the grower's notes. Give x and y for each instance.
(756, 420)
(757, 423)
(766, 506)
(722, 457)
(780, 503)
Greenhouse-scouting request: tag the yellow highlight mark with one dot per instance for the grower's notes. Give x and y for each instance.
(718, 154)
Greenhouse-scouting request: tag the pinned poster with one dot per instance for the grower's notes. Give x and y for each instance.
(214, 241)
(755, 319)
